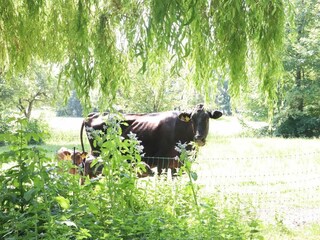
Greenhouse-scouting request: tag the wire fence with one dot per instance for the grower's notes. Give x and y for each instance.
(284, 187)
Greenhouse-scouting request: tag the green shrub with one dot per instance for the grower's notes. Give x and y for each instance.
(37, 130)
(34, 131)
(4, 128)
(298, 125)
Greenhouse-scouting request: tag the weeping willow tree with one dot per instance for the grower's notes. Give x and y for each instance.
(93, 42)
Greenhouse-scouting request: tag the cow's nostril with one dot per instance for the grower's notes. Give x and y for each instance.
(198, 137)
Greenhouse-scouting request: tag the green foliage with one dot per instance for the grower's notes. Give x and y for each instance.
(298, 89)
(253, 104)
(34, 131)
(223, 99)
(298, 125)
(308, 92)
(253, 107)
(24, 92)
(249, 131)
(93, 41)
(39, 200)
(157, 90)
(4, 128)
(6, 94)
(153, 91)
(38, 130)
(299, 105)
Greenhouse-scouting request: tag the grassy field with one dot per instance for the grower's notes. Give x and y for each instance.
(278, 178)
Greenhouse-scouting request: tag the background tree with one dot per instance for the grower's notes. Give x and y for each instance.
(22, 94)
(25, 92)
(6, 94)
(302, 59)
(93, 41)
(252, 104)
(73, 108)
(223, 98)
(299, 106)
(157, 90)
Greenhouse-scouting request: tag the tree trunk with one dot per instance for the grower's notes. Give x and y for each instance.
(299, 99)
(29, 110)
(300, 31)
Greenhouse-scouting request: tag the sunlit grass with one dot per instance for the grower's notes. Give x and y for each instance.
(68, 139)
(64, 132)
(278, 177)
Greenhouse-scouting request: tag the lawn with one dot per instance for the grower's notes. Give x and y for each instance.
(279, 177)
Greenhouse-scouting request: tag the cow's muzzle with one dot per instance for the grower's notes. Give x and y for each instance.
(199, 140)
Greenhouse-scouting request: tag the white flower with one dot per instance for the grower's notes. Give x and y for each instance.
(132, 136)
(181, 146)
(89, 129)
(139, 148)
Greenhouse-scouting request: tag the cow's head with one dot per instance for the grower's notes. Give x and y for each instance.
(73, 156)
(78, 157)
(199, 118)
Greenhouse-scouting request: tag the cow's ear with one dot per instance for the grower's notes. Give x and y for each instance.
(84, 155)
(67, 154)
(215, 114)
(185, 117)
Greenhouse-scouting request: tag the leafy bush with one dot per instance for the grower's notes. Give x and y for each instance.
(36, 131)
(4, 128)
(39, 201)
(298, 125)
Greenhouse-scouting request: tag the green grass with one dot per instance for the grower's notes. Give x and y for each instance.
(68, 139)
(279, 177)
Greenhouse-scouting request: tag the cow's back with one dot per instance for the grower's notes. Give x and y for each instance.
(160, 132)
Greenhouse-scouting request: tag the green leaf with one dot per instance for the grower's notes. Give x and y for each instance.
(29, 194)
(94, 162)
(63, 202)
(93, 208)
(194, 176)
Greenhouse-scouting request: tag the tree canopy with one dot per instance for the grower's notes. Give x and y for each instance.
(93, 42)
(26, 92)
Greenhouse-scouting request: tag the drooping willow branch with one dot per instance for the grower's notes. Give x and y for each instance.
(95, 41)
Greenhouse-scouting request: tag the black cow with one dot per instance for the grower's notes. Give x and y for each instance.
(159, 133)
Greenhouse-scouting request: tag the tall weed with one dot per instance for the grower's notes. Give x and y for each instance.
(39, 200)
